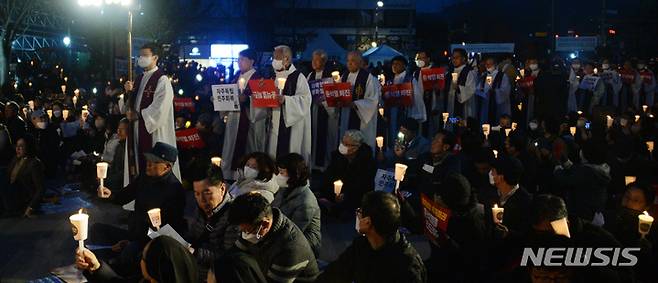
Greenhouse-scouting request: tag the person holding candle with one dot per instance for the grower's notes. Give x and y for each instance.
(115, 172)
(431, 97)
(245, 129)
(257, 173)
(354, 164)
(290, 128)
(506, 174)
(433, 166)
(210, 233)
(380, 253)
(324, 122)
(611, 82)
(460, 88)
(516, 146)
(623, 221)
(296, 200)
(25, 187)
(590, 91)
(157, 187)
(361, 112)
(493, 93)
(149, 107)
(408, 149)
(648, 88)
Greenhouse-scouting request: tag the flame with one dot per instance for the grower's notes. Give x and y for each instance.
(646, 213)
(495, 205)
(80, 211)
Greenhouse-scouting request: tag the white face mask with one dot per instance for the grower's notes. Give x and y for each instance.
(491, 179)
(623, 122)
(252, 238)
(342, 149)
(42, 125)
(575, 66)
(282, 181)
(533, 125)
(250, 173)
(144, 61)
(534, 67)
(57, 113)
(491, 70)
(420, 63)
(605, 66)
(277, 64)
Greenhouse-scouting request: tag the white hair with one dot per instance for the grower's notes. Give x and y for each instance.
(355, 135)
(287, 52)
(321, 53)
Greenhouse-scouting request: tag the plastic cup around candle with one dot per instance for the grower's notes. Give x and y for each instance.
(79, 226)
(400, 170)
(101, 170)
(644, 223)
(650, 146)
(514, 124)
(50, 113)
(31, 104)
(380, 142)
(561, 227)
(381, 111)
(281, 82)
(629, 179)
(485, 130)
(609, 121)
(455, 77)
(217, 161)
(335, 75)
(497, 213)
(572, 130)
(489, 80)
(580, 113)
(65, 114)
(644, 108)
(445, 116)
(338, 186)
(495, 152)
(507, 131)
(154, 216)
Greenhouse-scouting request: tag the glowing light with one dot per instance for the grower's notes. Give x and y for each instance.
(67, 41)
(94, 90)
(199, 77)
(373, 44)
(380, 4)
(180, 91)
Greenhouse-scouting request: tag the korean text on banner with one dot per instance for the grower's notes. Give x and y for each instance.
(433, 78)
(183, 103)
(398, 94)
(317, 91)
(225, 97)
(436, 217)
(189, 139)
(264, 93)
(384, 181)
(337, 92)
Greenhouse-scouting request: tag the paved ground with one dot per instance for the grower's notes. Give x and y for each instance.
(30, 248)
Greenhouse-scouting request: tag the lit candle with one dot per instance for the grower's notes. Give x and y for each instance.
(66, 79)
(380, 142)
(121, 97)
(217, 161)
(338, 186)
(101, 173)
(85, 107)
(63, 87)
(514, 124)
(31, 104)
(497, 213)
(520, 106)
(495, 152)
(85, 114)
(336, 76)
(637, 118)
(455, 76)
(75, 100)
(79, 224)
(196, 98)
(650, 146)
(644, 108)
(281, 82)
(507, 131)
(572, 130)
(381, 111)
(445, 115)
(50, 113)
(65, 114)
(561, 227)
(400, 170)
(485, 130)
(489, 80)
(522, 72)
(154, 216)
(609, 121)
(644, 223)
(580, 113)
(629, 179)
(241, 84)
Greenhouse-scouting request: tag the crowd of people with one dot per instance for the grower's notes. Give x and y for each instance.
(544, 140)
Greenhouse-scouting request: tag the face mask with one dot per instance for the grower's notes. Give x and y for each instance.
(42, 125)
(605, 66)
(342, 149)
(533, 125)
(144, 61)
(491, 70)
(623, 122)
(641, 66)
(57, 113)
(250, 173)
(575, 66)
(277, 64)
(491, 179)
(99, 124)
(533, 67)
(252, 238)
(420, 63)
(282, 181)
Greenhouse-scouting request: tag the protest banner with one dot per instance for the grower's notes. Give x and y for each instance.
(264, 93)
(189, 139)
(183, 103)
(317, 91)
(337, 92)
(433, 78)
(398, 95)
(225, 97)
(436, 217)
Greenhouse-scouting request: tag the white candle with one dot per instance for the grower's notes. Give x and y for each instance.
(629, 179)
(75, 100)
(217, 161)
(50, 113)
(281, 82)
(455, 77)
(644, 108)
(507, 131)
(336, 76)
(644, 223)
(572, 130)
(445, 116)
(489, 80)
(79, 225)
(241, 84)
(495, 152)
(497, 213)
(65, 114)
(609, 121)
(63, 87)
(637, 118)
(154, 216)
(485, 130)
(514, 124)
(380, 142)
(381, 111)
(338, 186)
(31, 104)
(561, 227)
(650, 146)
(85, 113)
(400, 170)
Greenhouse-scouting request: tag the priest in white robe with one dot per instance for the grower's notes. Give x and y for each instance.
(290, 127)
(240, 136)
(324, 122)
(360, 114)
(460, 88)
(151, 110)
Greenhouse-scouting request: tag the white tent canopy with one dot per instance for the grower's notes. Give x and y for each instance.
(381, 53)
(325, 42)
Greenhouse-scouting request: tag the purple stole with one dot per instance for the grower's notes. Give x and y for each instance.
(358, 92)
(283, 140)
(320, 125)
(243, 125)
(145, 140)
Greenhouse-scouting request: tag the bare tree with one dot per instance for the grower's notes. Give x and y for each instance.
(12, 14)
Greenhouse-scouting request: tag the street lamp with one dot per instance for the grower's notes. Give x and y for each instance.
(380, 4)
(67, 41)
(123, 3)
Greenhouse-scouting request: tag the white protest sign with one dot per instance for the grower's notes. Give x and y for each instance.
(385, 181)
(588, 83)
(168, 231)
(225, 97)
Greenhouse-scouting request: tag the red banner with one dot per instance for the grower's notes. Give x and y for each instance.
(627, 77)
(527, 83)
(337, 92)
(436, 217)
(264, 93)
(647, 77)
(433, 78)
(398, 94)
(183, 103)
(189, 139)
